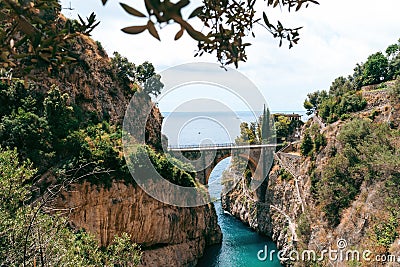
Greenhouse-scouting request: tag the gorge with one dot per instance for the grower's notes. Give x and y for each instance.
(67, 188)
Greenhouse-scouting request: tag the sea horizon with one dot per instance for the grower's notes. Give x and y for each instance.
(304, 116)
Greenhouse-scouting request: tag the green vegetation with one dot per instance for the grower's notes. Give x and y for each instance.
(304, 227)
(285, 128)
(380, 68)
(131, 76)
(375, 69)
(313, 100)
(284, 174)
(32, 36)
(266, 130)
(344, 94)
(319, 142)
(260, 132)
(395, 89)
(306, 145)
(369, 153)
(257, 132)
(125, 69)
(335, 105)
(364, 158)
(333, 108)
(249, 134)
(51, 135)
(393, 55)
(168, 167)
(101, 48)
(45, 129)
(30, 236)
(313, 141)
(24, 123)
(386, 232)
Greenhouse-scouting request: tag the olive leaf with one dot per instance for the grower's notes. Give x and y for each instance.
(134, 29)
(179, 34)
(152, 30)
(196, 12)
(132, 11)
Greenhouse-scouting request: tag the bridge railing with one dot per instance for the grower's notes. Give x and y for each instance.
(202, 146)
(216, 146)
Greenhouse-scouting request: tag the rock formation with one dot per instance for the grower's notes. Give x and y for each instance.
(290, 214)
(168, 235)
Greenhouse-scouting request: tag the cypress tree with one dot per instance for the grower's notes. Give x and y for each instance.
(265, 126)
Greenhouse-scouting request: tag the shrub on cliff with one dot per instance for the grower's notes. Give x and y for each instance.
(334, 107)
(35, 123)
(130, 75)
(343, 97)
(143, 159)
(319, 142)
(58, 113)
(22, 123)
(395, 89)
(375, 69)
(368, 153)
(313, 141)
(30, 236)
(45, 129)
(393, 55)
(340, 101)
(306, 145)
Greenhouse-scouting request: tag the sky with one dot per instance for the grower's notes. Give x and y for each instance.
(337, 34)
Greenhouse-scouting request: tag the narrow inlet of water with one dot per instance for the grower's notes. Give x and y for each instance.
(240, 245)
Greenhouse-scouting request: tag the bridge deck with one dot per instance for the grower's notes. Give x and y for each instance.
(216, 147)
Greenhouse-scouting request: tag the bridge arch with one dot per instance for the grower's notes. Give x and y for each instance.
(258, 158)
(204, 177)
(217, 153)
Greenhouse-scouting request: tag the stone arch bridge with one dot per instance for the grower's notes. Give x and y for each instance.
(204, 158)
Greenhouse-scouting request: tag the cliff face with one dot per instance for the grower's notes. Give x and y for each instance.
(90, 82)
(292, 216)
(276, 216)
(169, 235)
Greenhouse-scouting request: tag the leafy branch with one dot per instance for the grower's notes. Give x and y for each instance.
(34, 33)
(225, 24)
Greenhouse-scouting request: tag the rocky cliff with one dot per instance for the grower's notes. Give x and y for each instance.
(276, 216)
(168, 235)
(296, 219)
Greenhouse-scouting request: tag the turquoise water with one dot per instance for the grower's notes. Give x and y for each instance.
(240, 244)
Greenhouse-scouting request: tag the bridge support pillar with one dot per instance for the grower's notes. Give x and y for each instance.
(265, 157)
